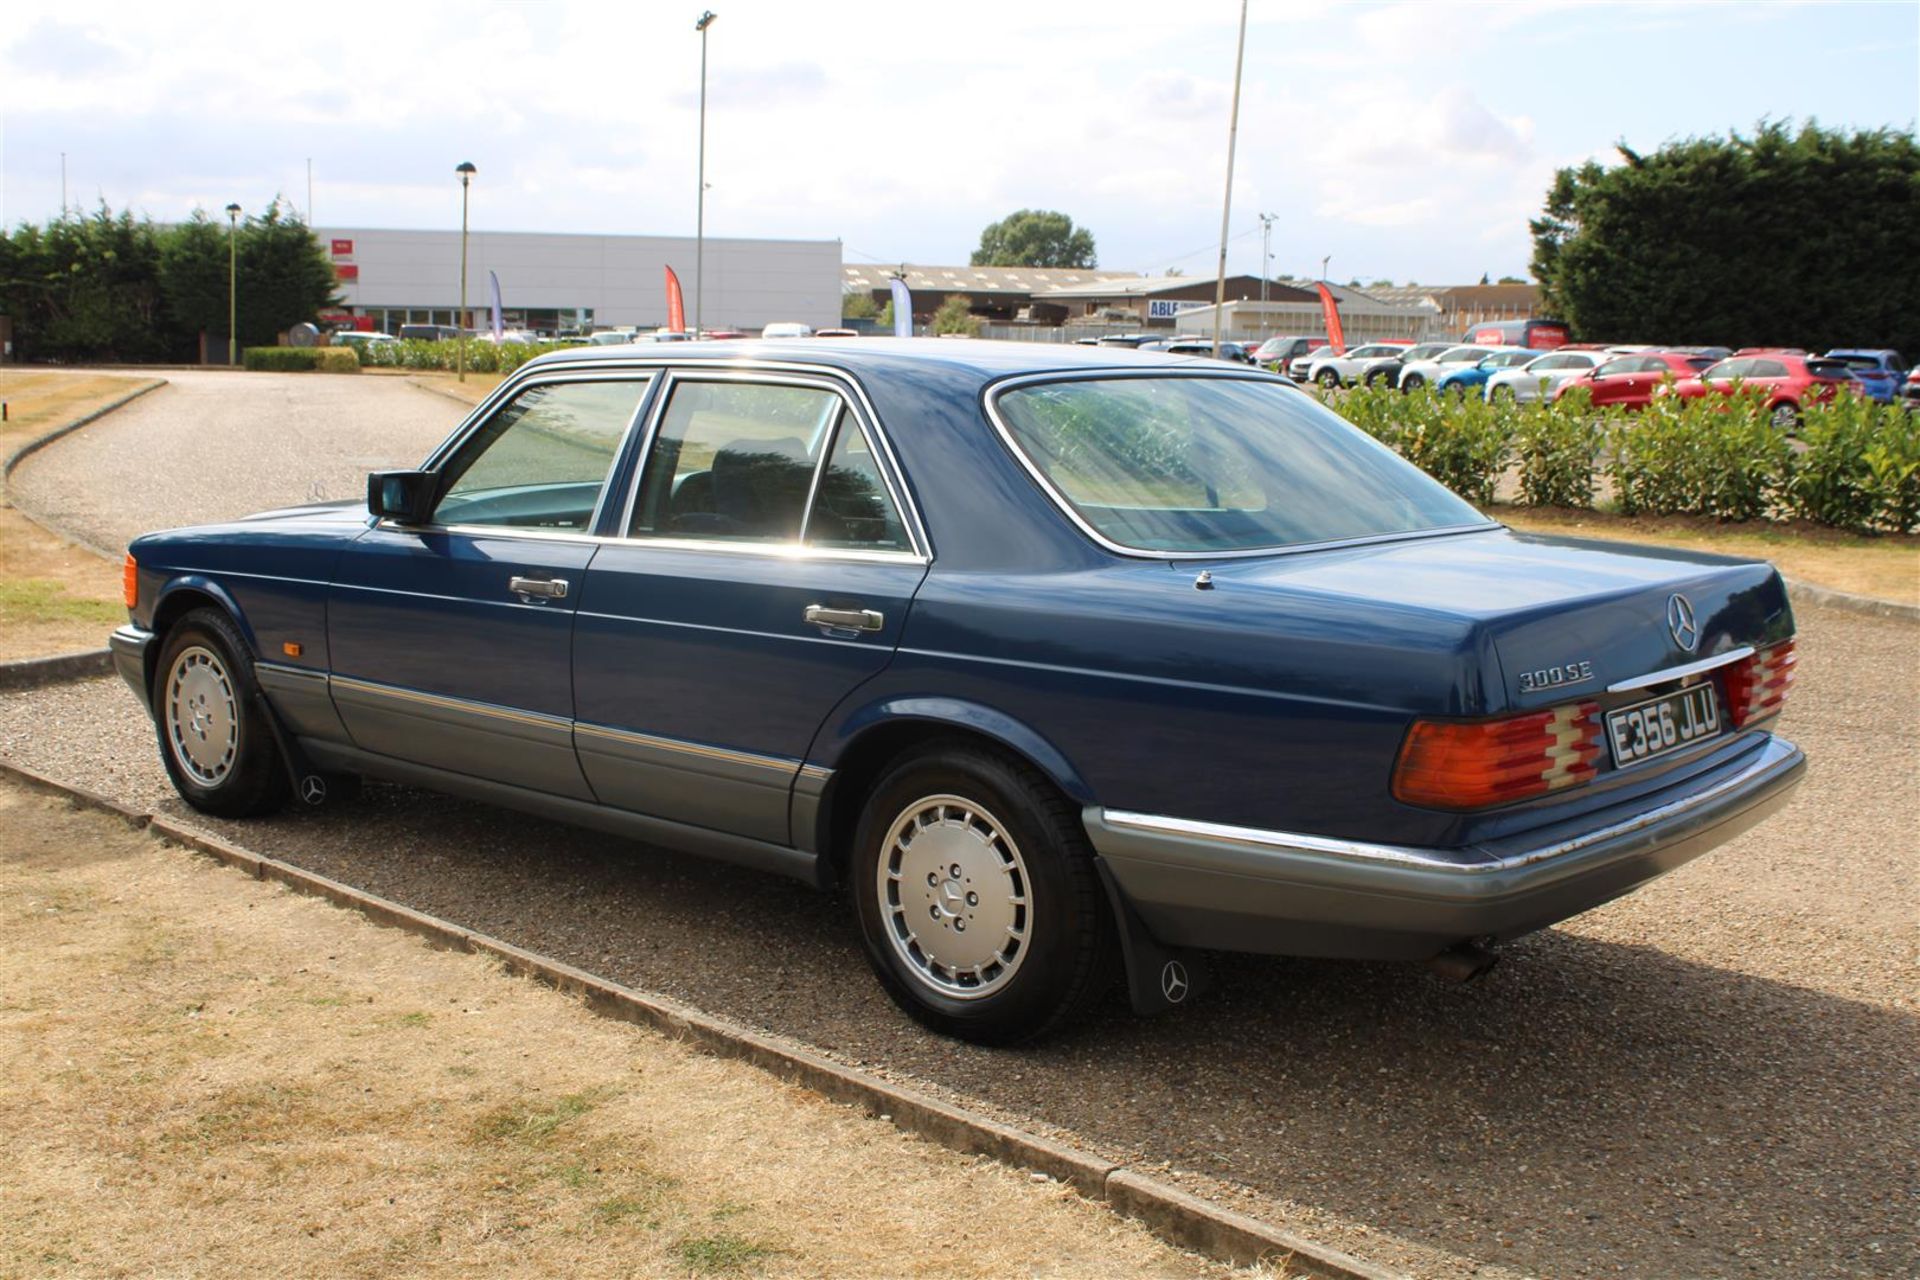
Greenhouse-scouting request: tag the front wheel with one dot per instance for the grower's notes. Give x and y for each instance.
(1328, 378)
(1412, 382)
(977, 897)
(215, 740)
(1502, 395)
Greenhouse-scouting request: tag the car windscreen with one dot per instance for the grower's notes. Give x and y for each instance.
(1198, 465)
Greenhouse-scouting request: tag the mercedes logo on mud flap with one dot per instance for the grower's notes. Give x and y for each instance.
(1173, 982)
(313, 789)
(1680, 621)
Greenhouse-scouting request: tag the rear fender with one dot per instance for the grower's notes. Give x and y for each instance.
(968, 717)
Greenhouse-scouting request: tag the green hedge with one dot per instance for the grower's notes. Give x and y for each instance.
(300, 360)
(1851, 464)
(482, 357)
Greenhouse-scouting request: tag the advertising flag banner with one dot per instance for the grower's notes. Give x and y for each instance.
(902, 309)
(676, 305)
(498, 327)
(1331, 310)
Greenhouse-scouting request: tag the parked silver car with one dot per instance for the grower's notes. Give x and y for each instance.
(1416, 374)
(1330, 370)
(1386, 369)
(1540, 377)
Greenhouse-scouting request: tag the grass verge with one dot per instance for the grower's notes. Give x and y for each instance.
(198, 1065)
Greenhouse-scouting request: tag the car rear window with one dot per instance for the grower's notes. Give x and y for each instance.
(1200, 465)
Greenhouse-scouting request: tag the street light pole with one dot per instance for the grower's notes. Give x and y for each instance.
(233, 284)
(1226, 203)
(700, 198)
(466, 171)
(1266, 259)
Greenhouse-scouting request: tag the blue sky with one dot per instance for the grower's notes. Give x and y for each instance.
(1407, 140)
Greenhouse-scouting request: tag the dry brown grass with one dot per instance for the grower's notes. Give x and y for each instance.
(55, 597)
(476, 388)
(1886, 566)
(200, 1072)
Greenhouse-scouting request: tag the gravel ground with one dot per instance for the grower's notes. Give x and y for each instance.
(228, 444)
(1718, 1076)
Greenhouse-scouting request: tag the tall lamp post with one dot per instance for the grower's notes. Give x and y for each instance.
(1226, 202)
(466, 171)
(700, 200)
(1266, 262)
(233, 284)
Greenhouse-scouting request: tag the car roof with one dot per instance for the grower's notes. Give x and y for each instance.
(984, 358)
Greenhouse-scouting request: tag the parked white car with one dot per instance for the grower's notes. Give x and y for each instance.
(1331, 370)
(1416, 374)
(1540, 377)
(787, 329)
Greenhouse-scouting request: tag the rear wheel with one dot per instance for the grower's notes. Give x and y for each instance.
(1786, 416)
(1502, 395)
(976, 894)
(1412, 382)
(215, 740)
(1328, 378)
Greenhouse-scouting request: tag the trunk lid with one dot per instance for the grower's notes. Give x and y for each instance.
(1564, 617)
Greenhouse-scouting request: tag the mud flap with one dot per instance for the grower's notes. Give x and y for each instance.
(311, 787)
(1159, 977)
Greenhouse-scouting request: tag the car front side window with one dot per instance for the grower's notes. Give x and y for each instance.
(541, 460)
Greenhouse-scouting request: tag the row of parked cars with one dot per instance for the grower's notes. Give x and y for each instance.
(1628, 376)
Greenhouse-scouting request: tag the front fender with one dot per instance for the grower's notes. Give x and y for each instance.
(162, 615)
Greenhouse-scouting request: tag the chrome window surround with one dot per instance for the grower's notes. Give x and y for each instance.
(493, 403)
(1422, 859)
(663, 370)
(997, 389)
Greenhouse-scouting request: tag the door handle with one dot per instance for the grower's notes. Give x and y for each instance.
(845, 619)
(546, 588)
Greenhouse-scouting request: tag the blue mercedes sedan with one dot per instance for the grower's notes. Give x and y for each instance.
(1059, 664)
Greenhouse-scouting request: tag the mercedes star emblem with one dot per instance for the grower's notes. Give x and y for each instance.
(313, 789)
(1680, 621)
(1173, 982)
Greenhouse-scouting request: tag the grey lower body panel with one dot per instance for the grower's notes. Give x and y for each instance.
(761, 855)
(129, 645)
(687, 782)
(1268, 893)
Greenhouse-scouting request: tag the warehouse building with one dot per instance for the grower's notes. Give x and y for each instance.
(551, 283)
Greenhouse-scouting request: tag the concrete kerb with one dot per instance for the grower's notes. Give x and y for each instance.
(31, 673)
(1174, 1215)
(1872, 606)
(41, 441)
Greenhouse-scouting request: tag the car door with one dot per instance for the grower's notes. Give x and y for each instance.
(450, 643)
(766, 570)
(1613, 381)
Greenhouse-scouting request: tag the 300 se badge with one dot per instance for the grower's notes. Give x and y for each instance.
(1555, 677)
(1660, 725)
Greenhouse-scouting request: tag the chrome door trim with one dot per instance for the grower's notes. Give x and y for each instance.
(1682, 671)
(468, 706)
(995, 390)
(775, 764)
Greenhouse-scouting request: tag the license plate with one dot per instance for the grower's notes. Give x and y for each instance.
(1659, 725)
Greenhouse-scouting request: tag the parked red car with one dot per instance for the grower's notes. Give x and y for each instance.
(1630, 380)
(1787, 381)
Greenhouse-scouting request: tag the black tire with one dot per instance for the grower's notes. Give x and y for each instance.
(1502, 395)
(1785, 417)
(1067, 954)
(1328, 378)
(1412, 382)
(215, 740)
(1376, 378)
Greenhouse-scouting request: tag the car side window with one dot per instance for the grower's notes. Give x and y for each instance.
(1612, 367)
(541, 460)
(735, 461)
(1767, 369)
(852, 510)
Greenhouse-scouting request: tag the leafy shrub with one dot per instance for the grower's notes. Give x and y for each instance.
(482, 357)
(300, 360)
(1464, 444)
(1858, 468)
(1558, 445)
(1714, 455)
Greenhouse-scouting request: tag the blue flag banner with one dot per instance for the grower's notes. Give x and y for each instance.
(497, 326)
(902, 309)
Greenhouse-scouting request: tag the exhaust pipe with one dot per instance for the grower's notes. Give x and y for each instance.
(1463, 962)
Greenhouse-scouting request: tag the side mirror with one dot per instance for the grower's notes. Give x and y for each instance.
(406, 496)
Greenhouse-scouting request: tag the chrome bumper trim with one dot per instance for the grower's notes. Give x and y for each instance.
(1443, 860)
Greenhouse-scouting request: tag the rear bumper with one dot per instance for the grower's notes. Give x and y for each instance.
(129, 645)
(1238, 889)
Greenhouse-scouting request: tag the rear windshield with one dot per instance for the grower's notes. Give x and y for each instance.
(1197, 465)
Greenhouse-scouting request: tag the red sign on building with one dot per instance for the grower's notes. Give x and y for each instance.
(346, 270)
(343, 248)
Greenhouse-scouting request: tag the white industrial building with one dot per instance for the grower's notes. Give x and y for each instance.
(560, 282)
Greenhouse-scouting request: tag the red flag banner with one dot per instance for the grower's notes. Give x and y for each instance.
(676, 305)
(1331, 310)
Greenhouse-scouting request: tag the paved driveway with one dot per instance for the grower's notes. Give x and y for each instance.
(1717, 1076)
(209, 446)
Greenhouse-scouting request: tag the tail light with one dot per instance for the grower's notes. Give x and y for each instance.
(130, 581)
(1757, 685)
(1475, 764)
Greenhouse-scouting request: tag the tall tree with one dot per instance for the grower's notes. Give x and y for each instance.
(1035, 238)
(1807, 237)
(193, 274)
(285, 277)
